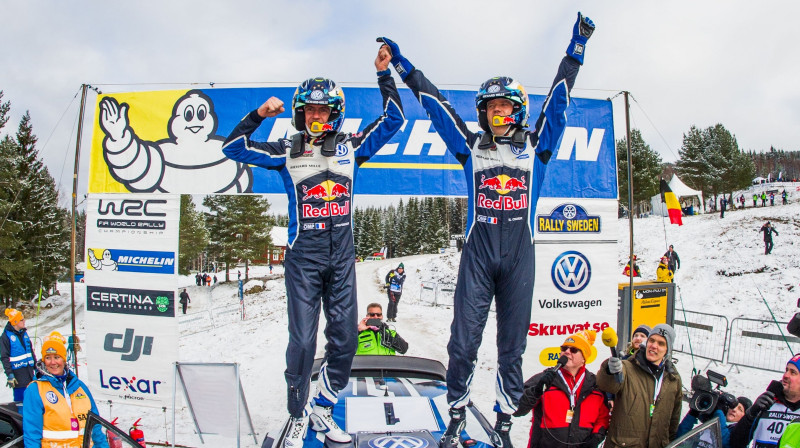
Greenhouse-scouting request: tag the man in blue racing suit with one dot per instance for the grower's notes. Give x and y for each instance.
(504, 167)
(318, 166)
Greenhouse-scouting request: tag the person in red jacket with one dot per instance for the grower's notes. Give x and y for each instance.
(568, 409)
(636, 272)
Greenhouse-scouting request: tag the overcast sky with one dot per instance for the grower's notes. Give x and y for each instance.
(685, 62)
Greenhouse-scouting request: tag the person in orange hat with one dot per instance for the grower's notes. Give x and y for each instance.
(16, 353)
(568, 408)
(57, 403)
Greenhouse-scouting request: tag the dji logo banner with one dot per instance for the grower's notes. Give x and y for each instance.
(132, 346)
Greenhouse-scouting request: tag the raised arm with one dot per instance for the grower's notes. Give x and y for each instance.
(552, 119)
(239, 147)
(448, 123)
(372, 138)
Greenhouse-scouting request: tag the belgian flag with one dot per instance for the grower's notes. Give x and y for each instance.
(673, 207)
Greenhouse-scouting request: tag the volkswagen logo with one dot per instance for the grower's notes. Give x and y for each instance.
(571, 272)
(398, 441)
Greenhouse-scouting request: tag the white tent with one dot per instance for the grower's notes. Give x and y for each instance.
(686, 196)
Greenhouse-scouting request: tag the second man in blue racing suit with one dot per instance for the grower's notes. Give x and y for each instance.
(318, 166)
(504, 166)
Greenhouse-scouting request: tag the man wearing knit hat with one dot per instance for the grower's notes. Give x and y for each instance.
(647, 389)
(568, 409)
(772, 412)
(638, 337)
(16, 353)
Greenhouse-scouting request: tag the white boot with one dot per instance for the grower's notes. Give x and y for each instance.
(322, 421)
(295, 432)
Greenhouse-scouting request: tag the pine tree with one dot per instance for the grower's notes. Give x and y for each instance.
(193, 234)
(44, 235)
(240, 228)
(646, 170)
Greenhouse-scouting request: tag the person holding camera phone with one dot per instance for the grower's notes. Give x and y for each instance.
(375, 337)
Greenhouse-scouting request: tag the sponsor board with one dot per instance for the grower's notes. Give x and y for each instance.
(574, 290)
(126, 260)
(568, 218)
(583, 164)
(141, 302)
(131, 330)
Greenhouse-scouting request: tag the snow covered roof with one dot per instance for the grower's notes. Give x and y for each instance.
(280, 236)
(680, 189)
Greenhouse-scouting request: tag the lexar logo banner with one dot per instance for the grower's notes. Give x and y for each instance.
(131, 289)
(171, 141)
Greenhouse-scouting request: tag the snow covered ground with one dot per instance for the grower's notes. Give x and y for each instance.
(724, 271)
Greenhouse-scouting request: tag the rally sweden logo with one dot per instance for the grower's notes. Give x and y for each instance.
(398, 441)
(571, 272)
(51, 397)
(568, 218)
(123, 260)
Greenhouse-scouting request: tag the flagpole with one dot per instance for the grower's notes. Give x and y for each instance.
(630, 192)
(74, 222)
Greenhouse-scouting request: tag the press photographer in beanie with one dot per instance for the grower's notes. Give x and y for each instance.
(647, 389)
(568, 409)
(57, 403)
(16, 353)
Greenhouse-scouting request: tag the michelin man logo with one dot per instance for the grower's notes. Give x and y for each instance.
(571, 272)
(106, 264)
(190, 160)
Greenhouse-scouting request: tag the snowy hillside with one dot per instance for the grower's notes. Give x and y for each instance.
(724, 271)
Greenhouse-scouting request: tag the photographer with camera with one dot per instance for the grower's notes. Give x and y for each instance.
(375, 337)
(708, 402)
(765, 422)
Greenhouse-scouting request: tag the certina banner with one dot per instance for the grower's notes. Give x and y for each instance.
(141, 302)
(125, 260)
(171, 141)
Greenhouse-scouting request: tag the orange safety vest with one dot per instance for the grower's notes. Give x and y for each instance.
(57, 430)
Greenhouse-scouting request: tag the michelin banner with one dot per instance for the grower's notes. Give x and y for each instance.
(131, 281)
(170, 141)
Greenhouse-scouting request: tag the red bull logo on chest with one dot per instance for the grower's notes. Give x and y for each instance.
(327, 191)
(502, 184)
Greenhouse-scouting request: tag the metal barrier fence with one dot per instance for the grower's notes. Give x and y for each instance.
(193, 323)
(427, 293)
(701, 334)
(445, 294)
(760, 344)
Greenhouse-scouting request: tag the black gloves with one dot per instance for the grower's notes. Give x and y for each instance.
(764, 401)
